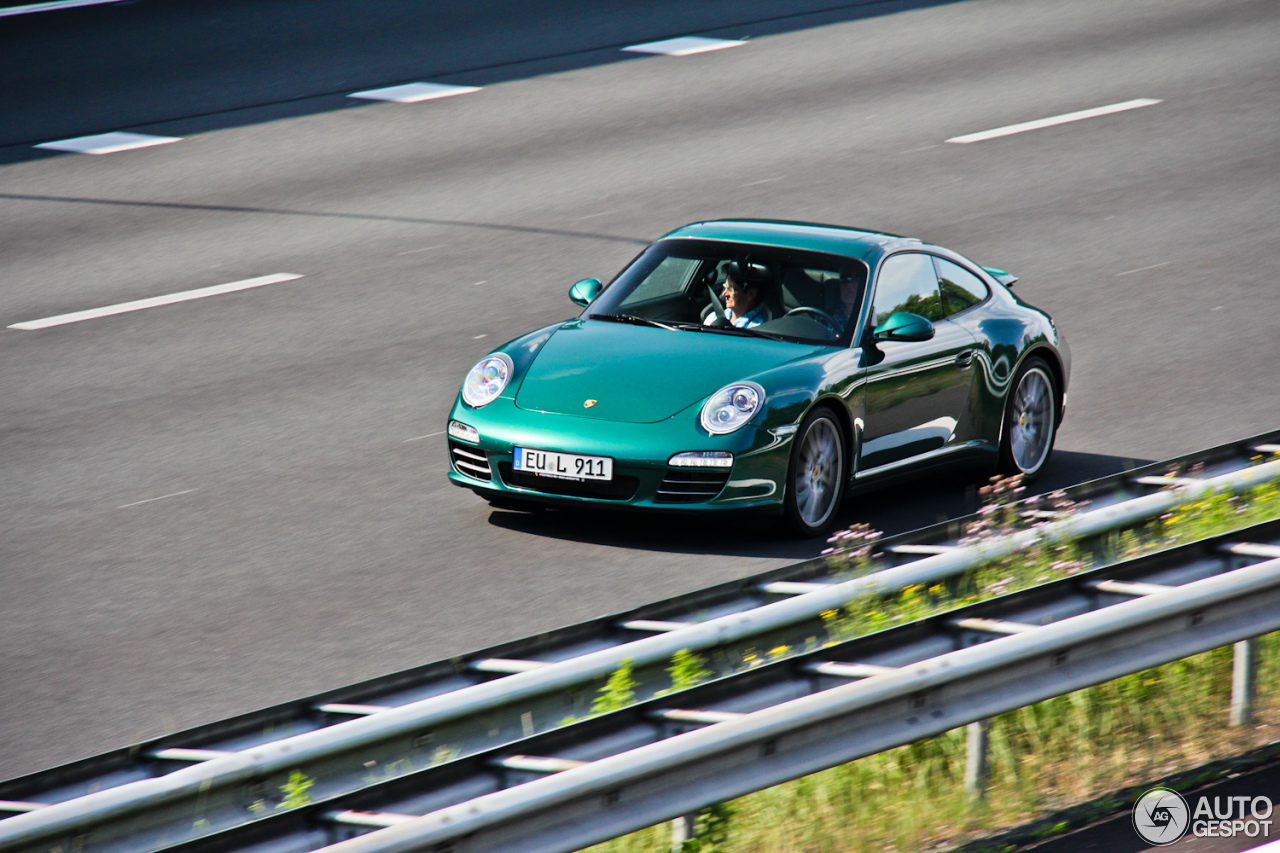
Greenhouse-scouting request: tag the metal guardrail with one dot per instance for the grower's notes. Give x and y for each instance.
(223, 790)
(629, 790)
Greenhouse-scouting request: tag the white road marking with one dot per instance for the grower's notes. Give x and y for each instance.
(108, 143)
(478, 337)
(52, 6)
(162, 497)
(420, 437)
(684, 46)
(592, 216)
(140, 304)
(478, 283)
(764, 181)
(412, 93)
(416, 251)
(1144, 269)
(1011, 129)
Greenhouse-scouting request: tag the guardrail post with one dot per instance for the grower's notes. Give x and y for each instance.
(975, 758)
(1244, 682)
(683, 828)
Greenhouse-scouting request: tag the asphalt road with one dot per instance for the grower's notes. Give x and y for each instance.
(226, 503)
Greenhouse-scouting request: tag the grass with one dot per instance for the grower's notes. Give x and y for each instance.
(1043, 758)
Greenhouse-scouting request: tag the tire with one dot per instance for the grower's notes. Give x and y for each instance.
(816, 477)
(1030, 421)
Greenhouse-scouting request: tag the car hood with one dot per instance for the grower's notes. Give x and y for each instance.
(641, 374)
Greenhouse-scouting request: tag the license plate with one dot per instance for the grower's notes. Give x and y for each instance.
(565, 466)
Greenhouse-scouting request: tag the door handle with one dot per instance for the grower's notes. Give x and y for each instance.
(965, 358)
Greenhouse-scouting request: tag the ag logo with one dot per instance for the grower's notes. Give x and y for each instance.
(1161, 816)
(589, 403)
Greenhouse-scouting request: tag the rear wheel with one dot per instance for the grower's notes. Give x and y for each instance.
(1030, 421)
(816, 477)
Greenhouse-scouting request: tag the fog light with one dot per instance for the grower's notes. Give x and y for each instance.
(702, 459)
(464, 432)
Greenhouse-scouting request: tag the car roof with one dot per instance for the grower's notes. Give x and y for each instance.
(809, 236)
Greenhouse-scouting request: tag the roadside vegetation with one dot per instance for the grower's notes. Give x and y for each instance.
(1043, 758)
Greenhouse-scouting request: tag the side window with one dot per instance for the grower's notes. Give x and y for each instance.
(907, 283)
(960, 288)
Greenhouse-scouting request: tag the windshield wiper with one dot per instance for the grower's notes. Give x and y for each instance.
(732, 330)
(688, 327)
(631, 318)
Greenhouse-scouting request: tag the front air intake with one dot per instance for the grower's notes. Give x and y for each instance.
(691, 485)
(471, 461)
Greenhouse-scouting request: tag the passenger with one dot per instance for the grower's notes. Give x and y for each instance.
(850, 299)
(742, 304)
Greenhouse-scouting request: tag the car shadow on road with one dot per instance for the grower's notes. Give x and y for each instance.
(894, 509)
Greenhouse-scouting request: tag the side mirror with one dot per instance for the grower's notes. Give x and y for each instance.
(584, 291)
(904, 326)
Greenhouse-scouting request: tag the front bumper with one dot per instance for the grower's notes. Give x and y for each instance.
(642, 479)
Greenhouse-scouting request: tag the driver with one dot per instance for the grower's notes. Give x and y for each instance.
(742, 303)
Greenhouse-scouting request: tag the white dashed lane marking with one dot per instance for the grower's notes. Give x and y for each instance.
(1144, 269)
(684, 46)
(412, 93)
(1009, 130)
(420, 437)
(154, 301)
(52, 6)
(162, 497)
(108, 143)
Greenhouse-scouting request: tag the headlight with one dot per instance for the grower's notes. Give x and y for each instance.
(487, 379)
(731, 407)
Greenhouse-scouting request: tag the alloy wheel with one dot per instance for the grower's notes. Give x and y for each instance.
(819, 466)
(1031, 420)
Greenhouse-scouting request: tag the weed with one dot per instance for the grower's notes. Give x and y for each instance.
(711, 830)
(618, 692)
(686, 670)
(1041, 562)
(297, 791)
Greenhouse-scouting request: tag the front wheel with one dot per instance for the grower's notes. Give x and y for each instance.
(1030, 421)
(816, 477)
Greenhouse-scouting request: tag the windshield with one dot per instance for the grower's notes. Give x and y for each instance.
(736, 288)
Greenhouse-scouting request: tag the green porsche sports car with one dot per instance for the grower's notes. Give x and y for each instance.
(769, 366)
